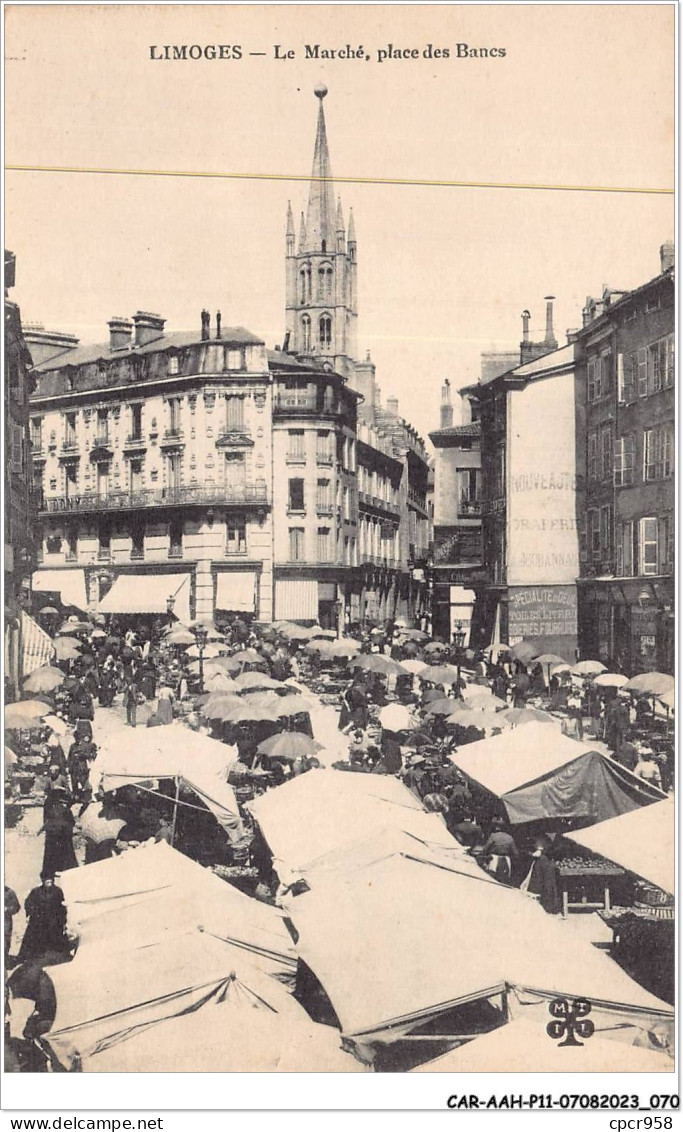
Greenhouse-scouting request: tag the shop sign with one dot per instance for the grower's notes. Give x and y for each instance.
(541, 611)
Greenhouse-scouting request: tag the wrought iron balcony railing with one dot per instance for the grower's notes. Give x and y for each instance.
(243, 495)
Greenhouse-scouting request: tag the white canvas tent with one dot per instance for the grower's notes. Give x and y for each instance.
(372, 943)
(173, 751)
(525, 1047)
(539, 773)
(333, 808)
(642, 841)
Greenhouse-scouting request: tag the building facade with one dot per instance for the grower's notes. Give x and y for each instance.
(625, 412)
(153, 456)
(19, 498)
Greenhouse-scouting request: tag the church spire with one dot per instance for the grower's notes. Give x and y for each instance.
(320, 218)
(302, 233)
(290, 219)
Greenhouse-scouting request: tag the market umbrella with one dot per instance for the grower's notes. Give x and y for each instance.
(440, 707)
(524, 651)
(248, 656)
(75, 627)
(219, 707)
(229, 664)
(298, 632)
(97, 634)
(435, 646)
(212, 634)
(176, 627)
(67, 648)
(482, 720)
(317, 633)
(396, 717)
(410, 648)
(58, 725)
(516, 716)
(44, 679)
(243, 712)
(559, 669)
(50, 610)
(589, 668)
(439, 673)
(668, 699)
(247, 681)
(484, 699)
(220, 682)
(25, 714)
(376, 662)
(347, 646)
(289, 745)
(285, 706)
(180, 637)
(11, 757)
(414, 635)
(208, 651)
(321, 646)
(610, 680)
(548, 658)
(413, 666)
(650, 684)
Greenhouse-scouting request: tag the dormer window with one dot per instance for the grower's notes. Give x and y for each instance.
(173, 364)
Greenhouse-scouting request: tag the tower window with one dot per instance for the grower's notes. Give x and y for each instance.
(306, 333)
(325, 331)
(325, 281)
(324, 246)
(305, 283)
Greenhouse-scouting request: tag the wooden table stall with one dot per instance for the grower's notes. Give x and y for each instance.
(593, 873)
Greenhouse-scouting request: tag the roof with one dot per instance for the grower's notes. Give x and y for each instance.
(84, 355)
(641, 841)
(555, 360)
(467, 431)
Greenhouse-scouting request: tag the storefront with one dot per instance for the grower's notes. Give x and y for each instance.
(628, 623)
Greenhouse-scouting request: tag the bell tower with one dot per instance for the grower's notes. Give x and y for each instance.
(321, 312)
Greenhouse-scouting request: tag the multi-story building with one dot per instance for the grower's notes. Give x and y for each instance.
(625, 409)
(528, 500)
(154, 456)
(246, 480)
(457, 546)
(19, 501)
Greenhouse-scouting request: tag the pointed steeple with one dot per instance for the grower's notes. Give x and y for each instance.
(302, 233)
(340, 216)
(352, 228)
(320, 229)
(290, 220)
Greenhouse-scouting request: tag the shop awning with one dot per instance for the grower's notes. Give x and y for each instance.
(236, 591)
(642, 841)
(148, 593)
(69, 584)
(296, 599)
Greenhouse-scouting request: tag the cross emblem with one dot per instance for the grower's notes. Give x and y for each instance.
(570, 1018)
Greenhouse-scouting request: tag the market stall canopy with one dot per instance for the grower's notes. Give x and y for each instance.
(69, 584)
(650, 684)
(104, 996)
(239, 1034)
(538, 773)
(642, 841)
(524, 1047)
(173, 751)
(148, 593)
(389, 910)
(146, 893)
(334, 807)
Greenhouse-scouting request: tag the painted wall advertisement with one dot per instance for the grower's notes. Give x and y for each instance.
(541, 611)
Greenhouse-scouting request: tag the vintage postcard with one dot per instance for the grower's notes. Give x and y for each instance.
(339, 567)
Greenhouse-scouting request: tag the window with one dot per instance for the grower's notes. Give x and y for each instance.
(296, 495)
(325, 331)
(606, 453)
(235, 359)
(137, 549)
(345, 503)
(594, 534)
(175, 538)
(627, 372)
(234, 414)
(323, 499)
(295, 394)
(605, 534)
(324, 447)
(347, 559)
(71, 544)
(499, 472)
(296, 444)
(102, 427)
(102, 478)
(104, 535)
(323, 544)
(37, 434)
(136, 422)
(173, 364)
(624, 461)
(305, 283)
(174, 415)
(599, 376)
(174, 471)
(70, 428)
(625, 550)
(592, 459)
(306, 334)
(647, 546)
(650, 369)
(235, 471)
(666, 544)
(658, 453)
(325, 281)
(296, 544)
(135, 476)
(235, 535)
(652, 304)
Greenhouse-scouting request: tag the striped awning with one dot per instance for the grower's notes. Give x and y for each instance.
(37, 646)
(296, 599)
(148, 593)
(69, 584)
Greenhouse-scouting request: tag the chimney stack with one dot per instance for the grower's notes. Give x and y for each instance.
(526, 317)
(148, 327)
(392, 405)
(206, 321)
(446, 406)
(550, 339)
(120, 333)
(667, 255)
(218, 324)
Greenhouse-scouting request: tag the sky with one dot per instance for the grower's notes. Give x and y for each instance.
(583, 96)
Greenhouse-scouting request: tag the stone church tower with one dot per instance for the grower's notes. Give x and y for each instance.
(321, 282)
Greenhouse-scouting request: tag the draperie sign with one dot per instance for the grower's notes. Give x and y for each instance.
(542, 611)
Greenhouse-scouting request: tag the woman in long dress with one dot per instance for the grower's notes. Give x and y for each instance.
(59, 852)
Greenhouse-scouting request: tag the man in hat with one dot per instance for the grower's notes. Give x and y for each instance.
(501, 851)
(415, 774)
(541, 880)
(130, 702)
(647, 768)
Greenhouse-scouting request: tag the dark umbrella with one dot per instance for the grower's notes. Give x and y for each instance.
(289, 745)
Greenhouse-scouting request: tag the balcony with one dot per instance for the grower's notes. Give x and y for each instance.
(172, 438)
(240, 495)
(101, 445)
(70, 449)
(469, 508)
(374, 503)
(324, 459)
(136, 442)
(303, 405)
(234, 438)
(418, 499)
